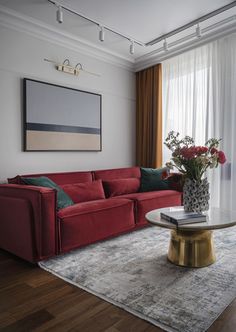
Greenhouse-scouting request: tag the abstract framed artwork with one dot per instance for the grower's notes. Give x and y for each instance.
(58, 118)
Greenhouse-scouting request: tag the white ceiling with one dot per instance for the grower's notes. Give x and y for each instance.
(143, 20)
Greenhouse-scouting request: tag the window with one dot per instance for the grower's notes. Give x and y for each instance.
(199, 100)
(186, 108)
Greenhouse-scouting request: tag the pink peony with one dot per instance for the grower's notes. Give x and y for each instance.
(188, 153)
(201, 150)
(193, 151)
(214, 150)
(221, 157)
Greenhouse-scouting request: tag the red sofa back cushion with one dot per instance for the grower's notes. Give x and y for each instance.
(58, 178)
(117, 173)
(121, 186)
(84, 192)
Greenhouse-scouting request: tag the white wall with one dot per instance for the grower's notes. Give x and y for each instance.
(21, 55)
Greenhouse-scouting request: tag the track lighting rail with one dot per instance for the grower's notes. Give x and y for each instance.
(192, 23)
(96, 23)
(133, 41)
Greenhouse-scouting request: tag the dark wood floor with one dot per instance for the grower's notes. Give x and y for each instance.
(34, 300)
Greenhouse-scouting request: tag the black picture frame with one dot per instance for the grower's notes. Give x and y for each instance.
(38, 134)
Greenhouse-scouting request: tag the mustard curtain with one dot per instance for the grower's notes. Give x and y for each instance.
(149, 117)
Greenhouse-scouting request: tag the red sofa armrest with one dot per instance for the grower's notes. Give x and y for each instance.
(28, 225)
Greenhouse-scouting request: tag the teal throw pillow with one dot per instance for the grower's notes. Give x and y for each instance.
(153, 179)
(63, 200)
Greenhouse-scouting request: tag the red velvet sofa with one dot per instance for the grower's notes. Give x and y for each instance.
(31, 227)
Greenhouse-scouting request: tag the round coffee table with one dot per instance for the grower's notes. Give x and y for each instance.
(192, 244)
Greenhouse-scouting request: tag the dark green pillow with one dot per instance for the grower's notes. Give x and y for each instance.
(63, 200)
(152, 179)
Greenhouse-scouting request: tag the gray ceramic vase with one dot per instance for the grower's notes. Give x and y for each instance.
(196, 195)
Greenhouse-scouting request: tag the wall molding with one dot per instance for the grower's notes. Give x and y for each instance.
(159, 55)
(14, 20)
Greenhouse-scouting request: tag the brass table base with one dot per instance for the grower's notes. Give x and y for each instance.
(191, 248)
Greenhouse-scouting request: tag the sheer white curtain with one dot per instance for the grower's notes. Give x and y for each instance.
(199, 99)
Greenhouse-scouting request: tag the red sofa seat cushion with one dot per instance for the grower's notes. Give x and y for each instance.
(121, 186)
(147, 201)
(93, 206)
(142, 196)
(84, 192)
(88, 222)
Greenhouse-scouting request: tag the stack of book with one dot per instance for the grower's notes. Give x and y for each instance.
(181, 217)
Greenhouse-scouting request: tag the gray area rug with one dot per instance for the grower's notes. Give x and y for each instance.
(132, 272)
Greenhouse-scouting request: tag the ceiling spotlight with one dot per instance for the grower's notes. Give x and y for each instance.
(59, 15)
(131, 48)
(101, 34)
(165, 46)
(198, 31)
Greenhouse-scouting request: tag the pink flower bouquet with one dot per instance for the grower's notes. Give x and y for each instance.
(191, 160)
